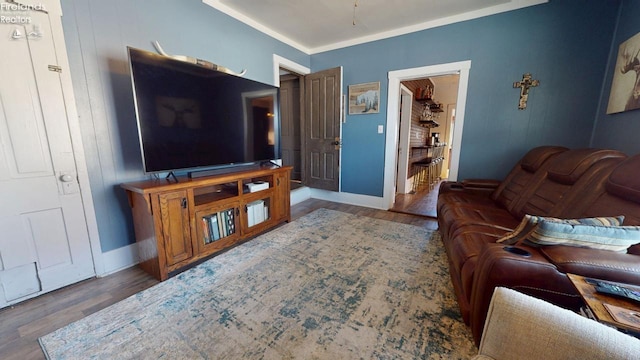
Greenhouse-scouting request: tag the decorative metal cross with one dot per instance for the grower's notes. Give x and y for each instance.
(524, 86)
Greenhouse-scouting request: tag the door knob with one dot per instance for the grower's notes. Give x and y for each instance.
(336, 143)
(66, 178)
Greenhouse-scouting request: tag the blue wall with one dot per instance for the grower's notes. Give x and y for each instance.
(97, 33)
(564, 43)
(619, 131)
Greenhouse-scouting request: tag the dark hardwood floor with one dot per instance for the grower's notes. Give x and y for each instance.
(21, 325)
(423, 202)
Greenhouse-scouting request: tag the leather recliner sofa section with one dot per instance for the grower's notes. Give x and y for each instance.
(548, 181)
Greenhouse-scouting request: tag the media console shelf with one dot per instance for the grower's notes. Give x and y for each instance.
(179, 223)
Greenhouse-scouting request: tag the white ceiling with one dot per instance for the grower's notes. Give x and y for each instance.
(314, 26)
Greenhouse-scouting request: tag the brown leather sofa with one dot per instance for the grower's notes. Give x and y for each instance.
(547, 181)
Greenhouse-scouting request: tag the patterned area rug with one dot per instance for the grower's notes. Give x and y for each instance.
(328, 285)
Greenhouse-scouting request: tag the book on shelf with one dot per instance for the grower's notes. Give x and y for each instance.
(220, 224)
(206, 230)
(255, 212)
(228, 218)
(225, 216)
(231, 228)
(223, 222)
(215, 233)
(209, 227)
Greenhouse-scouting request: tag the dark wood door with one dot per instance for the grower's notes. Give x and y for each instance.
(176, 230)
(290, 121)
(282, 196)
(321, 130)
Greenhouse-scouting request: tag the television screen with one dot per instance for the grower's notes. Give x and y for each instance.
(190, 116)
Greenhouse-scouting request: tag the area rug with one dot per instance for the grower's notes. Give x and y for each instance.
(329, 285)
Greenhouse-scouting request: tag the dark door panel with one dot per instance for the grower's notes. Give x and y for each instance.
(321, 130)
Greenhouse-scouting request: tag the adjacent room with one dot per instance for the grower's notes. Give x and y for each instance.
(225, 179)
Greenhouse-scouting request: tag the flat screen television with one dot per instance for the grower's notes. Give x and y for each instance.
(190, 116)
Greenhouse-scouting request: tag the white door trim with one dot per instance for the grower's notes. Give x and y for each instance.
(404, 185)
(55, 12)
(462, 68)
(280, 62)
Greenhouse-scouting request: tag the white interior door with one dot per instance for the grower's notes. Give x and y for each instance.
(44, 241)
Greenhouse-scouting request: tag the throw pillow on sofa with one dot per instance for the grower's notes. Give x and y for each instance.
(613, 238)
(529, 223)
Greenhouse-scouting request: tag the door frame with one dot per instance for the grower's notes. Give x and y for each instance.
(395, 77)
(303, 193)
(404, 185)
(55, 15)
(284, 63)
(280, 62)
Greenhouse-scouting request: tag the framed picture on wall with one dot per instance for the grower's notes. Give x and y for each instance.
(364, 98)
(625, 87)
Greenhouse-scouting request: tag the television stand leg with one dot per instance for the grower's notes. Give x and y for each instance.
(171, 175)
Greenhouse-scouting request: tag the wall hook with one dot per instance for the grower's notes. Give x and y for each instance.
(36, 33)
(17, 34)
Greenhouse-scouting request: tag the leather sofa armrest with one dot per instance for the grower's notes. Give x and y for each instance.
(529, 272)
(600, 264)
(478, 186)
(491, 184)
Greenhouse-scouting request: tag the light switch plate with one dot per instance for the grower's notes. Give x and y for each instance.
(380, 129)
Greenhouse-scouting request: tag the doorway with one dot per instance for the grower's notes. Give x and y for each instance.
(311, 110)
(291, 74)
(291, 122)
(462, 69)
(425, 141)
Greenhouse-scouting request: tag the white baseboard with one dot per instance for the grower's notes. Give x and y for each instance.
(348, 198)
(119, 259)
(299, 195)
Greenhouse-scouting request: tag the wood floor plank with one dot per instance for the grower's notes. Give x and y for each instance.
(423, 202)
(44, 314)
(21, 325)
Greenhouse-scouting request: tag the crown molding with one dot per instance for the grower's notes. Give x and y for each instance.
(497, 9)
(216, 4)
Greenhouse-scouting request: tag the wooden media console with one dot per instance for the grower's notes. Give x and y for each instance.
(179, 223)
